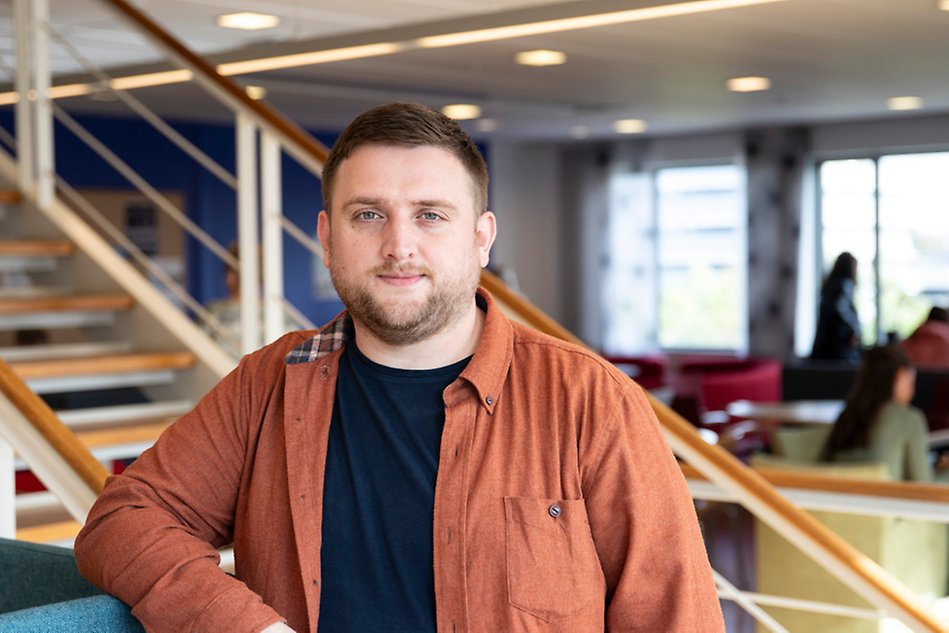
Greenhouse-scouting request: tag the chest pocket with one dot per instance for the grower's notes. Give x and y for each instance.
(552, 566)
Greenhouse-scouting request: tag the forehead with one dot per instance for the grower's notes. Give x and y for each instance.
(427, 171)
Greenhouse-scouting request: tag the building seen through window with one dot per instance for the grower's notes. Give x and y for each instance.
(676, 276)
(892, 213)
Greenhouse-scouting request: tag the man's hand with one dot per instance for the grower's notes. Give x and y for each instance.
(278, 627)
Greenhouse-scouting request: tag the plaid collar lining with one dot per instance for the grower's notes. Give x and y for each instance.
(326, 341)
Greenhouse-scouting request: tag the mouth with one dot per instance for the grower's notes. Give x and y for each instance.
(400, 280)
(401, 277)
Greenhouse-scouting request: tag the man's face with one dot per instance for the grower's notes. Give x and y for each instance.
(406, 243)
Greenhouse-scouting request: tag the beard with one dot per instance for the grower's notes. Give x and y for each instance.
(399, 322)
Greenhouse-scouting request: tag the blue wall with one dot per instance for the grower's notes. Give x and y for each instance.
(210, 203)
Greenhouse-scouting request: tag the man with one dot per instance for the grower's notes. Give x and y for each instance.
(419, 464)
(928, 346)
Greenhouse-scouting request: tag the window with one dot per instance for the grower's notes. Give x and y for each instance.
(892, 213)
(676, 277)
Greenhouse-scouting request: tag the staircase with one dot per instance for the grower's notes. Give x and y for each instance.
(112, 372)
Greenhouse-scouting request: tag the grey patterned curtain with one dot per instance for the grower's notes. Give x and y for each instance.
(776, 160)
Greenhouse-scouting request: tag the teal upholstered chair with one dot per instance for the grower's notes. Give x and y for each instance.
(41, 591)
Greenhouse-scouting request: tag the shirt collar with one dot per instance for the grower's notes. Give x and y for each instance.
(485, 372)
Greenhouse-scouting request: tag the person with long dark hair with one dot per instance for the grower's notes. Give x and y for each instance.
(878, 424)
(838, 325)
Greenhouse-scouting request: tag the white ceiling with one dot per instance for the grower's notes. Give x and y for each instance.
(828, 60)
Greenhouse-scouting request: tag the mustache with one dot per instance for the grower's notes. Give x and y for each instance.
(401, 269)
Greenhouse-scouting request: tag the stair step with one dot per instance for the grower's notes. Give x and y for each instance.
(124, 414)
(36, 248)
(51, 320)
(102, 372)
(60, 533)
(21, 292)
(37, 508)
(63, 350)
(118, 442)
(71, 303)
(135, 435)
(10, 196)
(20, 313)
(22, 264)
(112, 364)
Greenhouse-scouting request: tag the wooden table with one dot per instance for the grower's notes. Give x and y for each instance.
(809, 412)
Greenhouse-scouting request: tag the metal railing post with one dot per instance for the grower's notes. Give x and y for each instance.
(272, 243)
(43, 120)
(247, 232)
(7, 490)
(24, 105)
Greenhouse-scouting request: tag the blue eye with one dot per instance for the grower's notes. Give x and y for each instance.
(430, 216)
(368, 215)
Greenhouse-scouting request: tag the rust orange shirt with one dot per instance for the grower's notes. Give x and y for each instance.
(558, 505)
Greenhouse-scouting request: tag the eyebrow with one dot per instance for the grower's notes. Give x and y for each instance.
(360, 200)
(442, 204)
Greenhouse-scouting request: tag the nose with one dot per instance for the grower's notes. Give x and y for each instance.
(398, 239)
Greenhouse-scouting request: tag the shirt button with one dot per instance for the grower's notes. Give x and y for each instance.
(489, 400)
(554, 510)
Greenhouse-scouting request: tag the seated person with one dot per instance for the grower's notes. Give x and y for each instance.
(928, 346)
(878, 424)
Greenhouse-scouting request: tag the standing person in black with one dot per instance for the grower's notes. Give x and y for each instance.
(838, 326)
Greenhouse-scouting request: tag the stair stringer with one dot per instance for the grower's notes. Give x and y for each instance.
(152, 306)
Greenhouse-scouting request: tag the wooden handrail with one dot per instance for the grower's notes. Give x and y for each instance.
(526, 310)
(57, 434)
(902, 490)
(287, 128)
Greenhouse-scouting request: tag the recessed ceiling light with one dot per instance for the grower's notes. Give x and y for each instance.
(462, 111)
(904, 103)
(256, 92)
(486, 125)
(579, 131)
(541, 57)
(748, 84)
(248, 21)
(629, 126)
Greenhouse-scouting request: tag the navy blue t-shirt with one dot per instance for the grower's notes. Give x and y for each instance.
(379, 495)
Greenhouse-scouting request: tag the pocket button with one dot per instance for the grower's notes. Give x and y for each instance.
(554, 510)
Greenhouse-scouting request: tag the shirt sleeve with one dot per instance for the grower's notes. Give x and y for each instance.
(645, 528)
(151, 537)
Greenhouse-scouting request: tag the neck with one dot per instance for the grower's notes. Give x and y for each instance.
(449, 345)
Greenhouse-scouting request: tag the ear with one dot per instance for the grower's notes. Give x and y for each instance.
(485, 232)
(323, 233)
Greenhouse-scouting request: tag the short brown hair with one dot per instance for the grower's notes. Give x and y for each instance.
(410, 125)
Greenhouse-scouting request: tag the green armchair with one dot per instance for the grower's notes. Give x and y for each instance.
(41, 591)
(913, 551)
